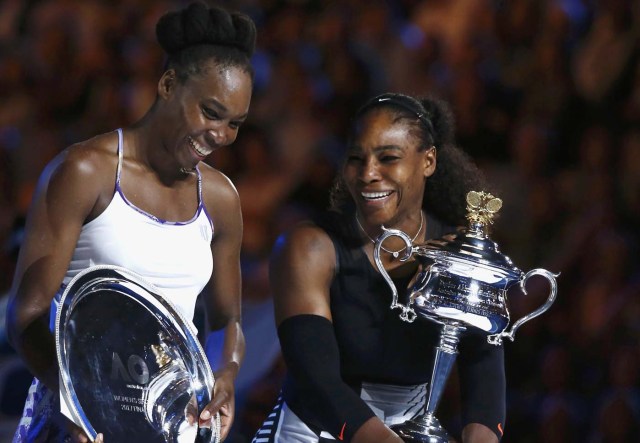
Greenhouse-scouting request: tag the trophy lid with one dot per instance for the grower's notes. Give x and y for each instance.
(473, 244)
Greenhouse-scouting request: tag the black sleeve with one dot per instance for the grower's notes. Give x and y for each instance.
(482, 382)
(315, 390)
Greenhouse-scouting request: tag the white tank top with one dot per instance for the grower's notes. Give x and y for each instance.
(174, 256)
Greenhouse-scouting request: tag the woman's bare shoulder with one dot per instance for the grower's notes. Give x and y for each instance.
(92, 152)
(216, 186)
(301, 269)
(96, 148)
(308, 242)
(87, 164)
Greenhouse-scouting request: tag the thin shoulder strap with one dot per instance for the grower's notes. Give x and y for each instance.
(120, 155)
(200, 202)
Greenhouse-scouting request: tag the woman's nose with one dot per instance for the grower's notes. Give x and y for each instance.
(370, 171)
(217, 135)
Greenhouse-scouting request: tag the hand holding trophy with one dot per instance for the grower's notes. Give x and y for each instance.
(461, 283)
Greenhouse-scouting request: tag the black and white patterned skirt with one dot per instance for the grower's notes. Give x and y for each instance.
(391, 403)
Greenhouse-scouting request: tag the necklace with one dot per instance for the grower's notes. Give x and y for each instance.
(394, 253)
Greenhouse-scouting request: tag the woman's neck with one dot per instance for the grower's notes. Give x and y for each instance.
(147, 147)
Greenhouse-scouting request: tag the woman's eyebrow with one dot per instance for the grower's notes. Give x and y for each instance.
(379, 149)
(222, 108)
(356, 149)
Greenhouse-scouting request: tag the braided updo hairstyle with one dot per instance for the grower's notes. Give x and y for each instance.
(197, 34)
(432, 123)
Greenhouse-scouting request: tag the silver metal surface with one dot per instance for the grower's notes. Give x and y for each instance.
(424, 429)
(131, 366)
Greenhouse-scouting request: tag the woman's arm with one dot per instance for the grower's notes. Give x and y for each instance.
(483, 389)
(301, 271)
(65, 196)
(222, 295)
(68, 193)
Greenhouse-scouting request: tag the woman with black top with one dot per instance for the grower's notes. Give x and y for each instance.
(354, 367)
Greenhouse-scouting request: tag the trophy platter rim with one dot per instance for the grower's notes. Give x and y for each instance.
(172, 320)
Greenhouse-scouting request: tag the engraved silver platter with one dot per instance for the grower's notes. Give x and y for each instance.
(131, 366)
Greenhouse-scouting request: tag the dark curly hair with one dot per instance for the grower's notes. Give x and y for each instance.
(197, 34)
(433, 123)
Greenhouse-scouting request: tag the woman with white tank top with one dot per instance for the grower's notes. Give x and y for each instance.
(143, 198)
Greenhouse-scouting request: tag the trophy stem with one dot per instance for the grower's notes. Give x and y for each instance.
(426, 428)
(446, 354)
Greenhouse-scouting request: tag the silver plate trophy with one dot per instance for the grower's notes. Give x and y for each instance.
(131, 366)
(461, 283)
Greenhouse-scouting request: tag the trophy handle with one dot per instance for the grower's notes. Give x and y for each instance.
(496, 339)
(408, 314)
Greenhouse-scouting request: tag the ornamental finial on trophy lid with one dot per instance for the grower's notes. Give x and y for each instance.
(481, 209)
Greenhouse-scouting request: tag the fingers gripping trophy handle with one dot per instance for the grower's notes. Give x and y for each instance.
(407, 314)
(496, 339)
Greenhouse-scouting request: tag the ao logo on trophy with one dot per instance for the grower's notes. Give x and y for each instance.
(136, 369)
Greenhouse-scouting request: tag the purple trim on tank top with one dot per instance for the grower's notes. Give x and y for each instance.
(158, 219)
(151, 216)
(201, 201)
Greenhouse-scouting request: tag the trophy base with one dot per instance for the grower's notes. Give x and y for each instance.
(424, 429)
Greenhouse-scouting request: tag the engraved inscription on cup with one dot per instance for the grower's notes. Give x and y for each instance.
(453, 296)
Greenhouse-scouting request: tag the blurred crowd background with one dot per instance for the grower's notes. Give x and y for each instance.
(546, 94)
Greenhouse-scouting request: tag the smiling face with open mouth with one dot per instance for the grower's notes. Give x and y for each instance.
(386, 171)
(200, 151)
(205, 112)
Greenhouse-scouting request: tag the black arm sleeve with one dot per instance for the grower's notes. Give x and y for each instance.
(314, 389)
(482, 382)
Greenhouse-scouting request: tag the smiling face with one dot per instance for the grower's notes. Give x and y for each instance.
(386, 170)
(204, 113)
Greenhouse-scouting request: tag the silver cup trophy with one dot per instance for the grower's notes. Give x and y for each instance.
(461, 283)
